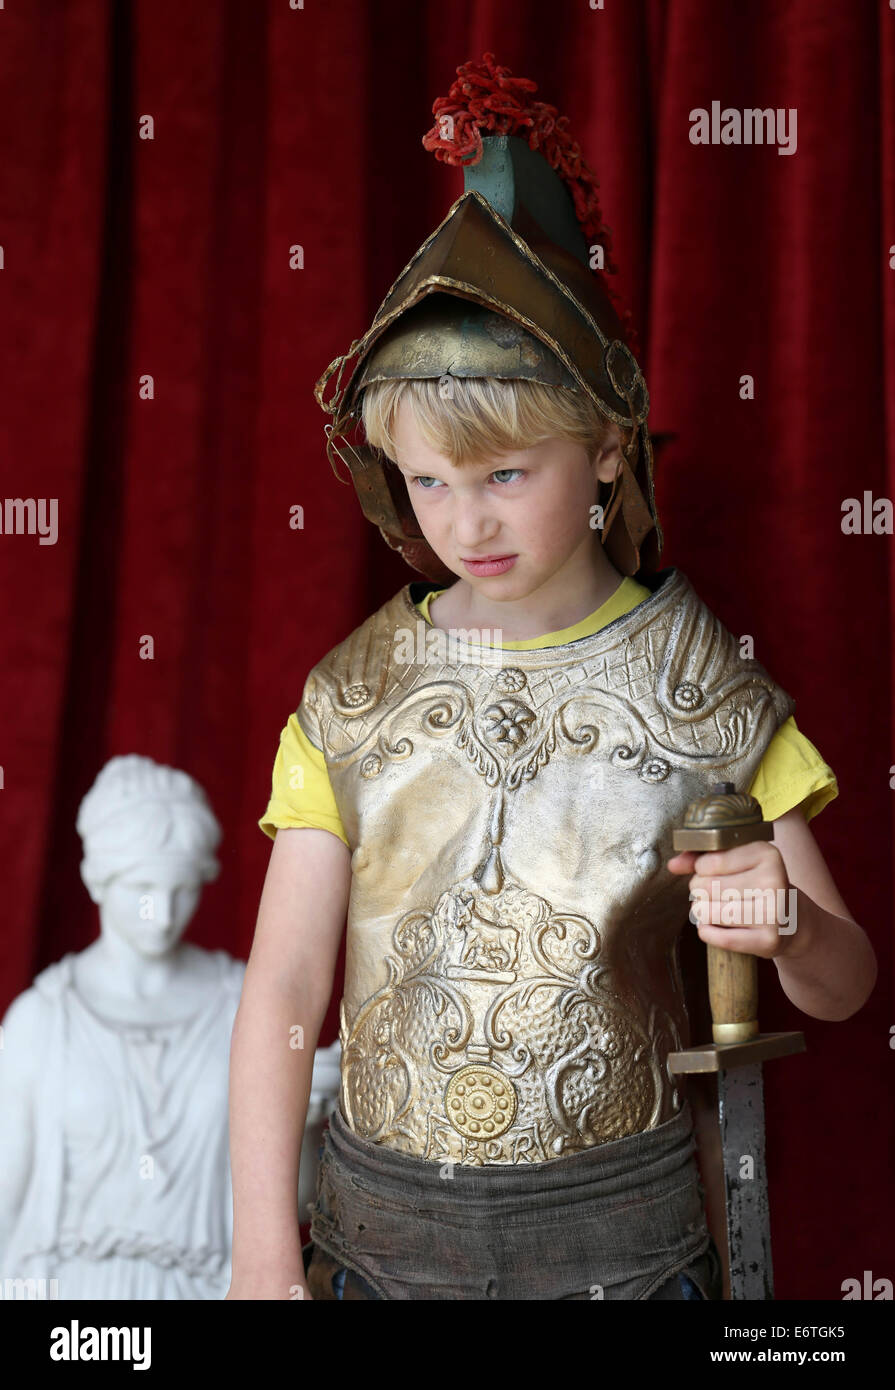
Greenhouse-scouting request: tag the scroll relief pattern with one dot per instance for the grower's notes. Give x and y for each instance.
(501, 1035)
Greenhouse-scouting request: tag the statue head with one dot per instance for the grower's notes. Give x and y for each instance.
(149, 837)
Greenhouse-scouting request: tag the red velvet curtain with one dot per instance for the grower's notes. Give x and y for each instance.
(276, 126)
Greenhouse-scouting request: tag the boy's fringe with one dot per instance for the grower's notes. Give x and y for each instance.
(483, 417)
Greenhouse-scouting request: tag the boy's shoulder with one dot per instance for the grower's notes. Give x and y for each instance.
(356, 668)
(373, 636)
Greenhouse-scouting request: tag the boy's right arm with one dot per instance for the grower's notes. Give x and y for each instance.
(288, 982)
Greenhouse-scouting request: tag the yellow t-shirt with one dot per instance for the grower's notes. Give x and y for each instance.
(791, 773)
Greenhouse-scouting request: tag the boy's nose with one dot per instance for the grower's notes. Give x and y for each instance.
(472, 524)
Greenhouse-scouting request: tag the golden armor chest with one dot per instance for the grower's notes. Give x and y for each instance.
(512, 987)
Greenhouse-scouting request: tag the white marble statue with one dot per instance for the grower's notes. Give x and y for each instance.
(114, 1068)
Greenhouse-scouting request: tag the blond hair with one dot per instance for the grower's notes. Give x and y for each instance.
(479, 417)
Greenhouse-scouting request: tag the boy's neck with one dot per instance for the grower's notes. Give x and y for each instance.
(559, 604)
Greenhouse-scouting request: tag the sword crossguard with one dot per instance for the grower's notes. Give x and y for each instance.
(719, 1057)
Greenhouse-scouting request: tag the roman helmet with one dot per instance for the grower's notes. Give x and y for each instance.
(511, 284)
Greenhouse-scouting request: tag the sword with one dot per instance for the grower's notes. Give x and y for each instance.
(736, 1054)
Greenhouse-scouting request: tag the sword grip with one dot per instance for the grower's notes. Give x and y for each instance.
(733, 995)
(716, 822)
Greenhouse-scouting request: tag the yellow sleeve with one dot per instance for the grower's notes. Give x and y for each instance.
(301, 793)
(793, 773)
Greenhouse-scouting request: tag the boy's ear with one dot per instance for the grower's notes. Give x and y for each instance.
(607, 459)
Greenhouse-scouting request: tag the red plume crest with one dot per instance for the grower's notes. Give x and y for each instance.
(485, 96)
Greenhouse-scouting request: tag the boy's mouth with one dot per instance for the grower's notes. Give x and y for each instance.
(488, 564)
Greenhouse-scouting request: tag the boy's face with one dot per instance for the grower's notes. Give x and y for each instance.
(533, 505)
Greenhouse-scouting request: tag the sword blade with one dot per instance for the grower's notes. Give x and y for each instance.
(741, 1117)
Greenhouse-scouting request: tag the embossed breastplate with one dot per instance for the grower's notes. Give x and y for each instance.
(512, 987)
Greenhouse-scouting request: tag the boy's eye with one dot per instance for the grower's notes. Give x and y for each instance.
(500, 474)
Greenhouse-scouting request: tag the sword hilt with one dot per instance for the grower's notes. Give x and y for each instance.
(719, 821)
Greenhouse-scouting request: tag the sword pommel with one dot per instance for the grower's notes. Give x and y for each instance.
(721, 820)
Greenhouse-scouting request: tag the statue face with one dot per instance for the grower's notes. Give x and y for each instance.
(151, 905)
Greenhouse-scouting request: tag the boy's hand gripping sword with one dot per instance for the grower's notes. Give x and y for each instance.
(717, 822)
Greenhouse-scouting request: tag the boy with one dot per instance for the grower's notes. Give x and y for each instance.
(495, 808)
